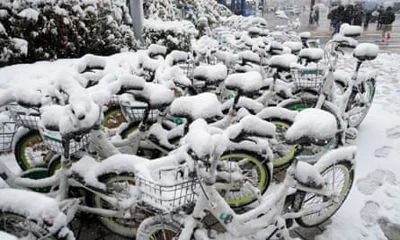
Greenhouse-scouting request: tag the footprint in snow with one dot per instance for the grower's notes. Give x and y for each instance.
(393, 133)
(383, 151)
(374, 180)
(369, 212)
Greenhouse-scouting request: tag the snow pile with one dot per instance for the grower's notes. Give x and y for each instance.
(350, 30)
(312, 54)
(248, 82)
(314, 124)
(294, 46)
(282, 61)
(29, 14)
(210, 73)
(205, 105)
(34, 206)
(366, 51)
(251, 126)
(6, 236)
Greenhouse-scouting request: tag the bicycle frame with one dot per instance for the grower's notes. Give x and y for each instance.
(269, 211)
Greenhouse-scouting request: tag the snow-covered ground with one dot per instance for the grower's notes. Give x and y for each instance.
(372, 209)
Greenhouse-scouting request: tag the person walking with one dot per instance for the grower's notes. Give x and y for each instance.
(337, 18)
(380, 11)
(348, 14)
(388, 17)
(315, 15)
(358, 15)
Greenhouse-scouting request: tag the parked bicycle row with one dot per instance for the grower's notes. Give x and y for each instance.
(160, 143)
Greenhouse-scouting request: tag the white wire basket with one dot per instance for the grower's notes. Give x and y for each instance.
(166, 197)
(134, 112)
(308, 78)
(7, 132)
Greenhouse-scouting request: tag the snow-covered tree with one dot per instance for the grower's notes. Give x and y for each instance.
(63, 28)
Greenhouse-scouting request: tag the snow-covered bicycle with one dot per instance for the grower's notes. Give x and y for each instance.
(317, 196)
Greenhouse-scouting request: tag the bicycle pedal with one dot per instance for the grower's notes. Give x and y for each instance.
(351, 133)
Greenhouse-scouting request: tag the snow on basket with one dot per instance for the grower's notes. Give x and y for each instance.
(366, 51)
(312, 124)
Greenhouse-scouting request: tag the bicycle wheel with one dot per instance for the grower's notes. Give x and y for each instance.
(113, 118)
(254, 169)
(117, 184)
(312, 152)
(158, 228)
(340, 177)
(367, 91)
(23, 228)
(283, 153)
(30, 151)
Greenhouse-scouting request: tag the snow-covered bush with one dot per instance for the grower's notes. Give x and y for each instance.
(202, 13)
(175, 35)
(62, 28)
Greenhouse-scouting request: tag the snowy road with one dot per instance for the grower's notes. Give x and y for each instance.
(372, 210)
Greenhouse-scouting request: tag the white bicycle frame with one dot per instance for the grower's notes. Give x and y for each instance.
(269, 212)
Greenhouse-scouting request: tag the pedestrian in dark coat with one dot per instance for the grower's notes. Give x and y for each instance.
(337, 18)
(380, 11)
(358, 15)
(388, 18)
(348, 14)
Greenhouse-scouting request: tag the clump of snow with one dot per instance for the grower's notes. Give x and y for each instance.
(251, 126)
(248, 82)
(34, 206)
(294, 46)
(6, 236)
(204, 105)
(2, 30)
(176, 57)
(313, 124)
(348, 41)
(210, 73)
(21, 45)
(312, 54)
(305, 35)
(30, 14)
(277, 112)
(90, 61)
(309, 175)
(366, 51)
(156, 95)
(249, 56)
(156, 49)
(282, 61)
(350, 30)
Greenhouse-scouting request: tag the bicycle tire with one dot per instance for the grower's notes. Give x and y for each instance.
(256, 162)
(301, 197)
(370, 83)
(161, 227)
(17, 222)
(33, 140)
(120, 227)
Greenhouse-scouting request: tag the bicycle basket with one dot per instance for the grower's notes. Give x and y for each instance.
(54, 141)
(7, 131)
(134, 112)
(306, 78)
(164, 197)
(28, 118)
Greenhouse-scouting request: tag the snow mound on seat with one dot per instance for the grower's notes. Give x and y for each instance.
(247, 82)
(252, 126)
(284, 60)
(366, 50)
(210, 73)
(205, 105)
(312, 123)
(315, 54)
(294, 46)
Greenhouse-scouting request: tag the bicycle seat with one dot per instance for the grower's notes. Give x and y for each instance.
(249, 57)
(250, 126)
(312, 126)
(366, 51)
(177, 57)
(211, 74)
(156, 95)
(204, 105)
(294, 47)
(155, 50)
(309, 176)
(282, 62)
(312, 54)
(247, 83)
(304, 36)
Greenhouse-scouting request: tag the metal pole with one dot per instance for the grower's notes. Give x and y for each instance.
(137, 17)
